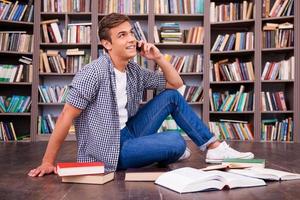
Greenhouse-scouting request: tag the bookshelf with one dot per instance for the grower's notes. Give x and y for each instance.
(258, 55)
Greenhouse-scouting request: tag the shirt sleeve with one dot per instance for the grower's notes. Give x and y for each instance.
(83, 88)
(153, 80)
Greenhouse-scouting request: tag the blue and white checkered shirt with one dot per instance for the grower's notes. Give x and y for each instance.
(93, 90)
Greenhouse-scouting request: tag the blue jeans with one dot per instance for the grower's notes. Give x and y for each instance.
(141, 145)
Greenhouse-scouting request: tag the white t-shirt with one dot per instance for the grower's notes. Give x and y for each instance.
(121, 82)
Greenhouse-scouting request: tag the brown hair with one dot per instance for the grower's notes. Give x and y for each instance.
(110, 21)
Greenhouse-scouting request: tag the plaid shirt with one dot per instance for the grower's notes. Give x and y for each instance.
(93, 90)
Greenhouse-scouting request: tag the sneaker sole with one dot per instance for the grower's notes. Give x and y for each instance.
(215, 161)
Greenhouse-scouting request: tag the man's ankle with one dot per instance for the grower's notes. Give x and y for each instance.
(214, 144)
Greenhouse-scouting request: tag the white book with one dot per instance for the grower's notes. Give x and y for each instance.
(266, 173)
(187, 179)
(56, 32)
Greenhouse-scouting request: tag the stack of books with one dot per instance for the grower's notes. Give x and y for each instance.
(170, 33)
(90, 173)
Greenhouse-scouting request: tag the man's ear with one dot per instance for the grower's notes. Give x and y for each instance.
(106, 44)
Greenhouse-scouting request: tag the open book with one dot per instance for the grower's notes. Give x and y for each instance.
(266, 173)
(189, 179)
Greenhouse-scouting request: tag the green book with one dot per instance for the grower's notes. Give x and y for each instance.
(251, 162)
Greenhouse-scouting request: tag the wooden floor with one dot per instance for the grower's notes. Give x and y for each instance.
(17, 159)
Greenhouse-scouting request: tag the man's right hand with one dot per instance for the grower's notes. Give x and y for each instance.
(45, 168)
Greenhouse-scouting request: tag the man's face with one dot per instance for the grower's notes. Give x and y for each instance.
(123, 43)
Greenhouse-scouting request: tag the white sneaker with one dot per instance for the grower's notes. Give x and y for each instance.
(218, 154)
(187, 153)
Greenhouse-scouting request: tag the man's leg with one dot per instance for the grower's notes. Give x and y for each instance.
(163, 148)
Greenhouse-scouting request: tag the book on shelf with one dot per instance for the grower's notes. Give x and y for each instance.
(15, 104)
(179, 7)
(76, 168)
(235, 41)
(281, 70)
(273, 101)
(276, 130)
(138, 31)
(192, 93)
(184, 180)
(53, 94)
(7, 132)
(62, 6)
(98, 179)
(186, 64)
(51, 31)
(279, 8)
(120, 6)
(231, 11)
(16, 11)
(231, 130)
(79, 33)
(266, 174)
(16, 73)
(18, 41)
(224, 70)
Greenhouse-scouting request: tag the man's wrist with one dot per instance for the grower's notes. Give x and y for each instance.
(159, 58)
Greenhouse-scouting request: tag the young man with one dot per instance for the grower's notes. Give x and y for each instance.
(104, 101)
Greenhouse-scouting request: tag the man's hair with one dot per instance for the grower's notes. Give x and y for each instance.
(110, 21)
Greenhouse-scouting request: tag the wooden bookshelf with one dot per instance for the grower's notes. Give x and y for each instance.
(258, 56)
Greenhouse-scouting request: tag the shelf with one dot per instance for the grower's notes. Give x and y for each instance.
(278, 19)
(231, 52)
(180, 17)
(57, 74)
(179, 46)
(46, 137)
(15, 83)
(231, 112)
(16, 53)
(191, 73)
(235, 23)
(15, 114)
(278, 112)
(284, 49)
(131, 16)
(66, 45)
(16, 23)
(277, 81)
(230, 82)
(51, 104)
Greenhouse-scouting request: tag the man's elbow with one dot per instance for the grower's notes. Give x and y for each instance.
(175, 85)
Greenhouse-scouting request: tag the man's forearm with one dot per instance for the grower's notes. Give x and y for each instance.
(57, 138)
(170, 73)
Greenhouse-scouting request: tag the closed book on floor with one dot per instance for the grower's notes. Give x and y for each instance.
(76, 168)
(246, 162)
(266, 173)
(188, 179)
(89, 179)
(144, 174)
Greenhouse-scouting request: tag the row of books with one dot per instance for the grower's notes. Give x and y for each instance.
(179, 7)
(53, 62)
(62, 6)
(278, 35)
(231, 11)
(15, 73)
(15, 104)
(279, 8)
(79, 33)
(225, 70)
(123, 6)
(192, 93)
(275, 130)
(16, 11)
(53, 94)
(51, 31)
(282, 70)
(7, 132)
(236, 41)
(231, 129)
(16, 41)
(186, 64)
(138, 31)
(225, 101)
(273, 101)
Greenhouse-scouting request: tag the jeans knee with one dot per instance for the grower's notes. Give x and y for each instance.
(172, 93)
(178, 143)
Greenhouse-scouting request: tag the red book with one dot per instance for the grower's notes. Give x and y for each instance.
(76, 168)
